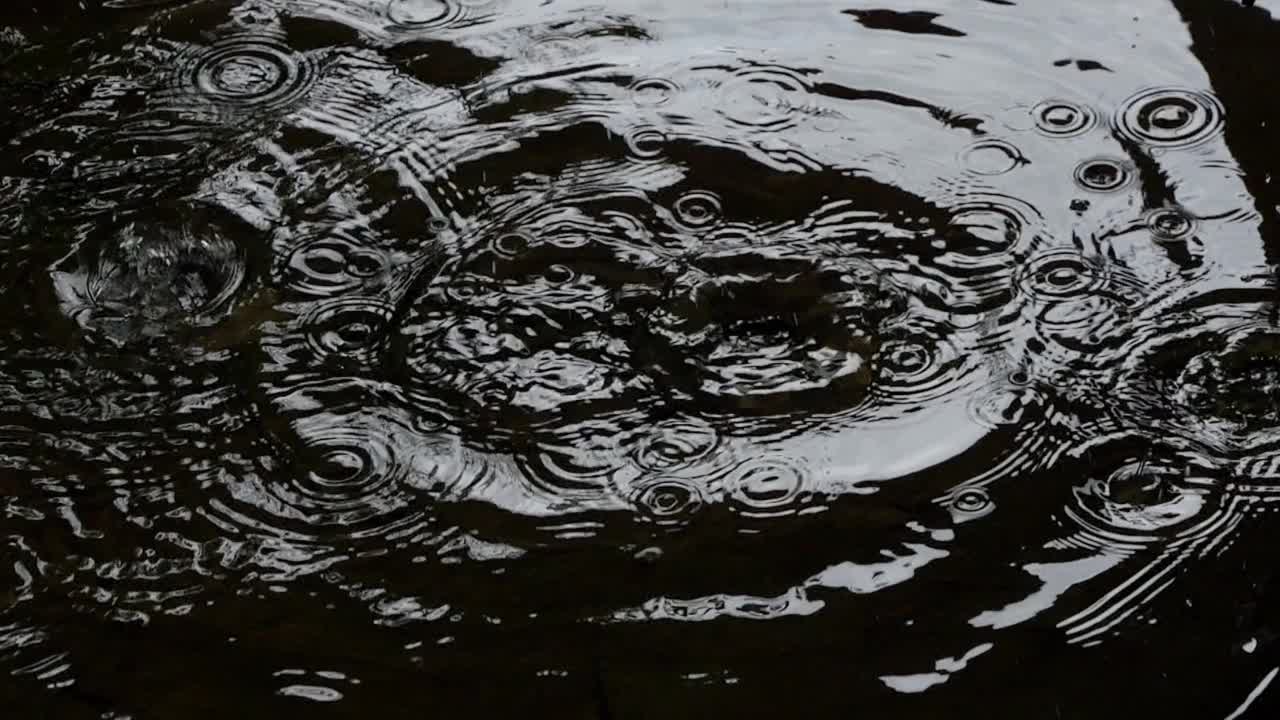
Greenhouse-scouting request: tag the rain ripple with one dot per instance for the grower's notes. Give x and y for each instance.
(1151, 507)
(460, 260)
(237, 78)
(184, 264)
(338, 480)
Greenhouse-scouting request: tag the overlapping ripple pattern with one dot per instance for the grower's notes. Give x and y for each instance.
(637, 359)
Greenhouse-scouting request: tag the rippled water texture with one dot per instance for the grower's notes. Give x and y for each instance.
(507, 358)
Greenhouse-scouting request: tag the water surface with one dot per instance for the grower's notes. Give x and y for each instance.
(650, 359)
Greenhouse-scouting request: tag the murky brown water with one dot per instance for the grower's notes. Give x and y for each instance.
(511, 358)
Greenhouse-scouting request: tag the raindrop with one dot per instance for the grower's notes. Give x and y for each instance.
(1090, 325)
(1233, 376)
(905, 359)
(1061, 274)
(645, 142)
(1141, 488)
(257, 72)
(512, 244)
(1061, 118)
(905, 362)
(559, 274)
(348, 480)
(346, 326)
(669, 501)
(767, 488)
(123, 4)
(425, 14)
(649, 555)
(366, 263)
(572, 464)
(1170, 224)
(331, 265)
(755, 342)
(918, 366)
(1138, 484)
(1001, 406)
(675, 442)
(983, 229)
(827, 122)
(972, 501)
(344, 465)
(144, 278)
(339, 467)
(653, 91)
(984, 235)
(569, 237)
(314, 693)
(763, 97)
(1103, 174)
(968, 316)
(1020, 377)
(1142, 496)
(1170, 117)
(992, 157)
(698, 209)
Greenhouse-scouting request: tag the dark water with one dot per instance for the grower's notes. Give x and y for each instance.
(518, 358)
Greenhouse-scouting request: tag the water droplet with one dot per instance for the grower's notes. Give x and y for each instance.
(1001, 406)
(670, 501)
(512, 244)
(906, 358)
(559, 274)
(180, 268)
(339, 467)
(653, 91)
(1229, 374)
(1170, 224)
(827, 122)
(649, 555)
(1142, 496)
(425, 14)
(253, 72)
(983, 229)
(314, 693)
(347, 481)
(645, 142)
(675, 442)
(348, 326)
(991, 157)
(1103, 174)
(759, 341)
(767, 488)
(1061, 118)
(365, 263)
(1170, 117)
(1061, 274)
(573, 465)
(972, 501)
(330, 265)
(917, 365)
(698, 209)
(763, 96)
